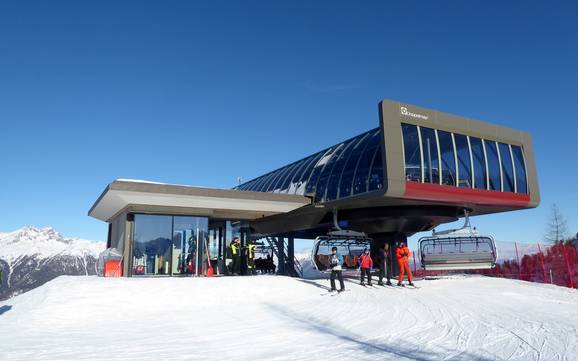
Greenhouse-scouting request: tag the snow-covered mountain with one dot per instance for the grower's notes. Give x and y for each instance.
(30, 257)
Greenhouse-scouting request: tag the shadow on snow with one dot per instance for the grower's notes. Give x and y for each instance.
(369, 347)
(4, 309)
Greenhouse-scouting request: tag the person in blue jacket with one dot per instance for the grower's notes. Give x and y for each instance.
(336, 265)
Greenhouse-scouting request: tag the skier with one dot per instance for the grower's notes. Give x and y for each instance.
(366, 266)
(336, 264)
(236, 255)
(384, 264)
(402, 253)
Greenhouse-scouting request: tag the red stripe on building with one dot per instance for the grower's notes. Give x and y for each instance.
(451, 194)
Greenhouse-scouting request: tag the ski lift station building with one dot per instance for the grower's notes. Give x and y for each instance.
(417, 169)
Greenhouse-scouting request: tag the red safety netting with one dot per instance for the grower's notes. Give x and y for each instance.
(555, 264)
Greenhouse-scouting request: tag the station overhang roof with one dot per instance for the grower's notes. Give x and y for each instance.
(180, 199)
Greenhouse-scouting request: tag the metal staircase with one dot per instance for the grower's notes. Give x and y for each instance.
(284, 266)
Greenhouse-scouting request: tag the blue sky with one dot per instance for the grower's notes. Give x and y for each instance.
(202, 92)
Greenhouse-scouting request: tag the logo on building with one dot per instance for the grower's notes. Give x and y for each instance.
(404, 111)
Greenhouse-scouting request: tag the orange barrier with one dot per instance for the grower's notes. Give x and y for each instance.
(112, 269)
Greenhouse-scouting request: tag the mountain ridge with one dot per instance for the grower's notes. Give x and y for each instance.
(31, 256)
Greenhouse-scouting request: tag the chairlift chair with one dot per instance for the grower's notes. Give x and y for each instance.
(457, 249)
(262, 250)
(350, 245)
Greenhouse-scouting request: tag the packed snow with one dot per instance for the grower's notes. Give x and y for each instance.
(281, 318)
(44, 243)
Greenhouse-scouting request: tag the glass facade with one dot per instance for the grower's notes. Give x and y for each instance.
(493, 165)
(376, 175)
(321, 184)
(464, 161)
(352, 167)
(479, 164)
(364, 163)
(507, 168)
(431, 167)
(448, 158)
(190, 241)
(348, 173)
(152, 245)
(169, 245)
(412, 153)
(520, 167)
(356, 166)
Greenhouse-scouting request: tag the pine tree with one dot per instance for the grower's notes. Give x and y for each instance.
(557, 228)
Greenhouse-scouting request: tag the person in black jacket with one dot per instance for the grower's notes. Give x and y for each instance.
(250, 254)
(384, 264)
(236, 256)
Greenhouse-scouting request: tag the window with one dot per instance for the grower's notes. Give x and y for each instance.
(333, 183)
(319, 167)
(324, 177)
(247, 186)
(295, 181)
(268, 179)
(448, 158)
(297, 170)
(278, 175)
(479, 166)
(299, 184)
(256, 184)
(290, 170)
(431, 168)
(493, 165)
(152, 245)
(189, 255)
(411, 152)
(521, 182)
(507, 167)
(464, 164)
(364, 163)
(346, 181)
(376, 174)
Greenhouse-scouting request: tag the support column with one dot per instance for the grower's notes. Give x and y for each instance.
(244, 241)
(291, 257)
(379, 240)
(222, 252)
(128, 245)
(281, 256)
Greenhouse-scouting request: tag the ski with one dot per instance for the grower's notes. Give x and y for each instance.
(410, 287)
(333, 294)
(384, 286)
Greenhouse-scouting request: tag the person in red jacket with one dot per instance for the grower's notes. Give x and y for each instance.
(402, 253)
(366, 265)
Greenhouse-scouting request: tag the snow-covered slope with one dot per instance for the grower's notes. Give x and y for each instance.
(32, 256)
(280, 318)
